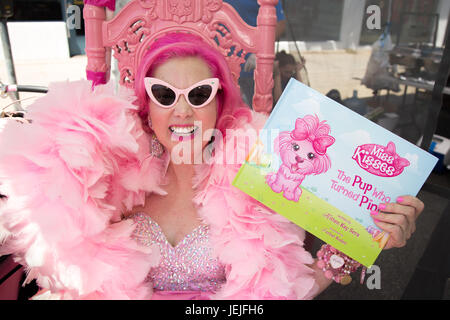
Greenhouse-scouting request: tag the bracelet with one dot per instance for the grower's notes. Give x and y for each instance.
(336, 265)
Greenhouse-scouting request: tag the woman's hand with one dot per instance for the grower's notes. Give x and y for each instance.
(398, 219)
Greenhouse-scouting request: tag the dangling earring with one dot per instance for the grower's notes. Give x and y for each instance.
(156, 148)
(210, 148)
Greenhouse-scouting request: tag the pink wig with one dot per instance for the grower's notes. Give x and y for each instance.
(172, 45)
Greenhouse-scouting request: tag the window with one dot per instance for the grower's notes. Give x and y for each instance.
(313, 20)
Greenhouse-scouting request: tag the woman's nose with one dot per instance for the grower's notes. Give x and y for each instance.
(182, 107)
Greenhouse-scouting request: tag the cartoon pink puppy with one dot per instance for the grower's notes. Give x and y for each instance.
(303, 152)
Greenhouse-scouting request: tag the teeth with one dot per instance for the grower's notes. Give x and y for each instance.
(182, 130)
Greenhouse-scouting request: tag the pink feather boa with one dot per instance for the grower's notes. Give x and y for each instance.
(83, 161)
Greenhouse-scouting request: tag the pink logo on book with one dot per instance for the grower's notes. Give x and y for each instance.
(379, 160)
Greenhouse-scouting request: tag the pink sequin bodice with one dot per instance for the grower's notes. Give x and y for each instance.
(189, 266)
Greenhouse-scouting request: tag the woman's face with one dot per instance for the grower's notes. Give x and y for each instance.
(287, 71)
(183, 124)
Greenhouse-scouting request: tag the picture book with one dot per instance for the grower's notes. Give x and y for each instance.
(325, 168)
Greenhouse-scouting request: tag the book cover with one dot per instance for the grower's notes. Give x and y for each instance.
(325, 168)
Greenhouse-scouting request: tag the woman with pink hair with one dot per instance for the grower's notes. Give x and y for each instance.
(113, 197)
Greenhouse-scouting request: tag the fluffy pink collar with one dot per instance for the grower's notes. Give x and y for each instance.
(83, 161)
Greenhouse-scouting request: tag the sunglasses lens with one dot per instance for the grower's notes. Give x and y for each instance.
(163, 95)
(200, 94)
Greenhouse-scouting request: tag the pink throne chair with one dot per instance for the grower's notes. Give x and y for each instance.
(141, 22)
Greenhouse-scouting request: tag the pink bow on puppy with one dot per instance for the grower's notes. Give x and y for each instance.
(320, 142)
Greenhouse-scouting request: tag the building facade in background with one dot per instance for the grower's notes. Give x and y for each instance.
(313, 24)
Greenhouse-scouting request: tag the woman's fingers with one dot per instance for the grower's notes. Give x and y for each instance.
(414, 202)
(398, 219)
(397, 237)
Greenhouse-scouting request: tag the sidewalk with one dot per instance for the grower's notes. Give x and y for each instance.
(42, 72)
(337, 70)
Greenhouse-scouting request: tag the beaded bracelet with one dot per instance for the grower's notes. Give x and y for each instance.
(336, 265)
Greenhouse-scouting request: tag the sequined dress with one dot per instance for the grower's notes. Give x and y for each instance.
(189, 267)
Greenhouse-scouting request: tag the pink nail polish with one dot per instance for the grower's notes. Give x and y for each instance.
(374, 213)
(382, 207)
(400, 199)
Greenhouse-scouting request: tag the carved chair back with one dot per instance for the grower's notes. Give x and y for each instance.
(141, 22)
